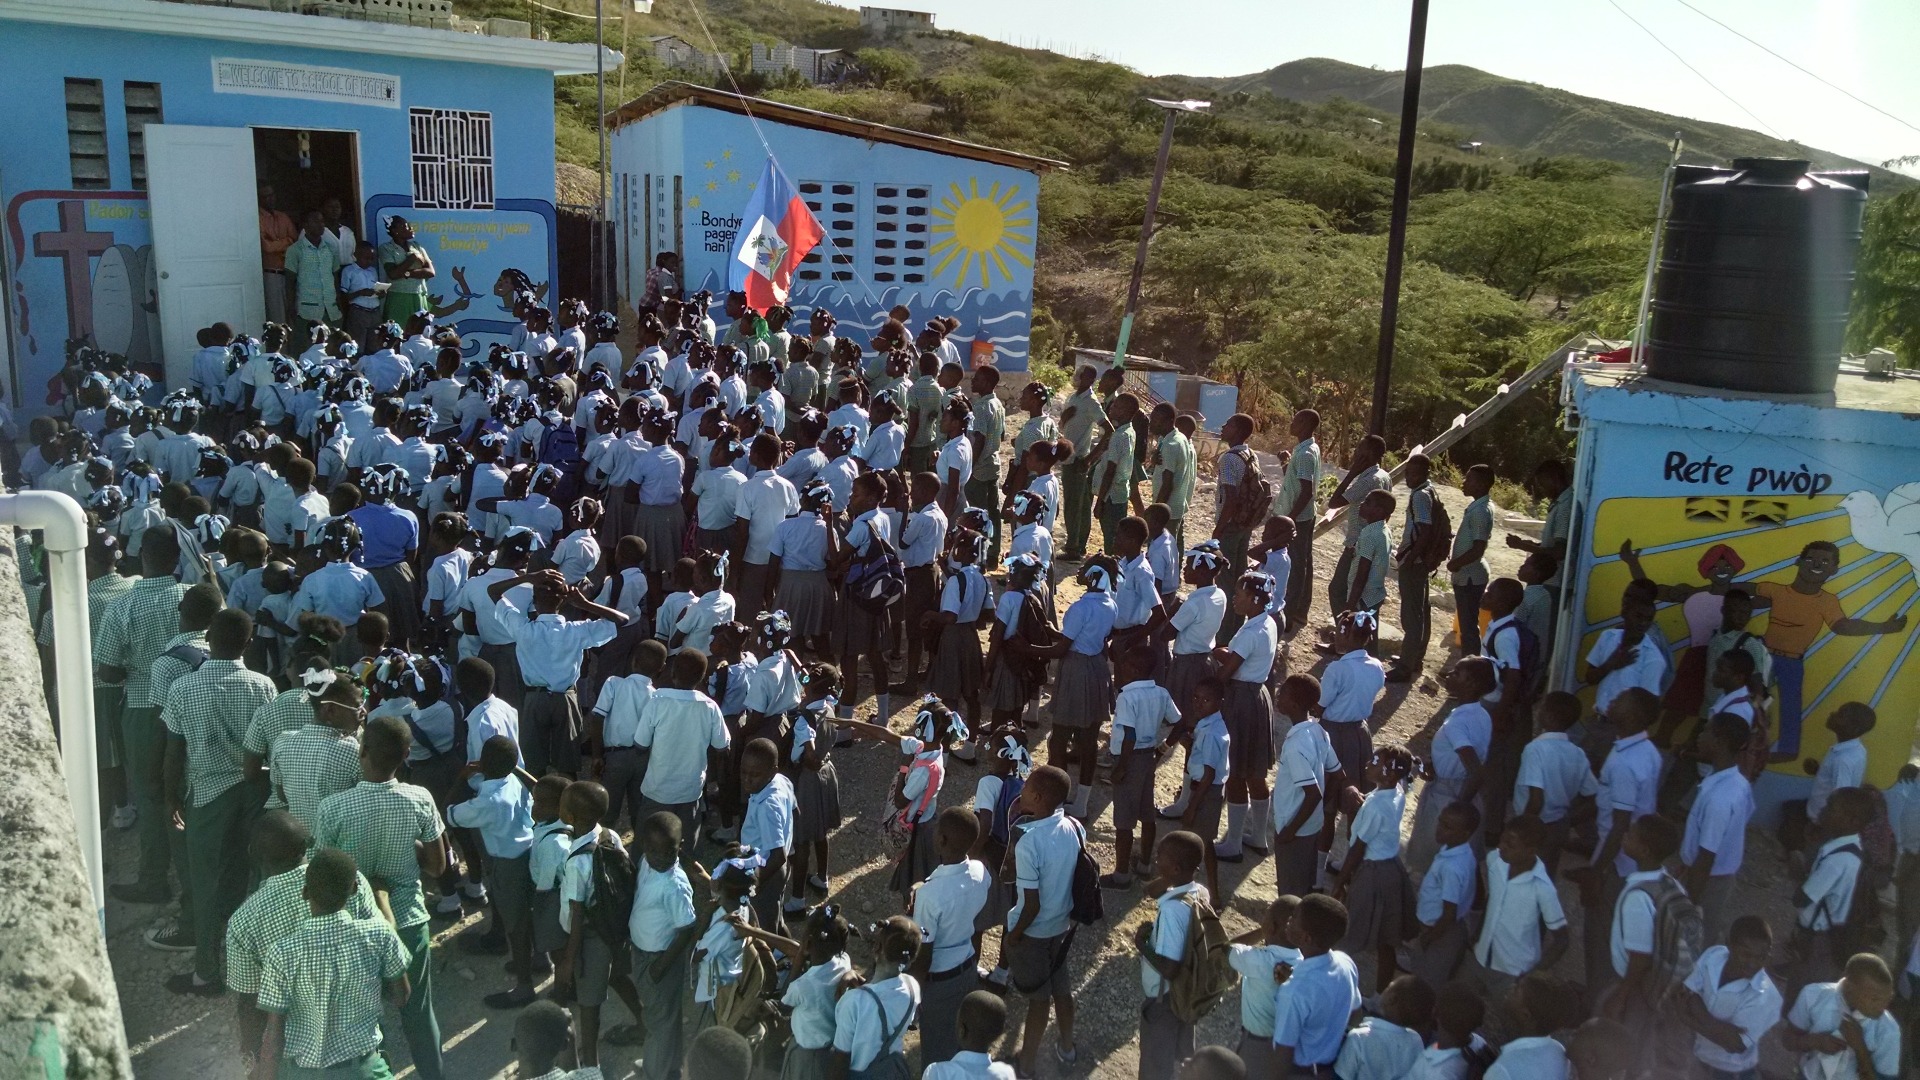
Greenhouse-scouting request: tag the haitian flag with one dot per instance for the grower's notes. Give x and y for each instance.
(777, 230)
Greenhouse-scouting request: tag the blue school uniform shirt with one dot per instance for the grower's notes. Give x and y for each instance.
(1007, 612)
(1279, 566)
(502, 812)
(800, 542)
(884, 445)
(1089, 621)
(342, 590)
(964, 593)
(1311, 1008)
(388, 532)
(1164, 559)
(1137, 593)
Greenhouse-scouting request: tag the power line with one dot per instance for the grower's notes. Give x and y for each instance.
(1790, 63)
(1695, 70)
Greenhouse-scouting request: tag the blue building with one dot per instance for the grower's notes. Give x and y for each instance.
(943, 226)
(139, 130)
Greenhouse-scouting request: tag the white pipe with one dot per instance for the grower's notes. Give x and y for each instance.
(63, 530)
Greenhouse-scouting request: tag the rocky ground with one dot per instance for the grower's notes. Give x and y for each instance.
(175, 1038)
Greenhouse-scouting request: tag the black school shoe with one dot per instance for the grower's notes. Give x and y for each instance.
(186, 983)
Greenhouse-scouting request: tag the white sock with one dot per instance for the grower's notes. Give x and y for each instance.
(1259, 824)
(1180, 804)
(1080, 800)
(1236, 821)
(884, 702)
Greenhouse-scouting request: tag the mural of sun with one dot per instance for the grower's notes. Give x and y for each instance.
(982, 232)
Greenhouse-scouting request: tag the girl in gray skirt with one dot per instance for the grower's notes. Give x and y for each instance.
(813, 994)
(1373, 883)
(1083, 689)
(1014, 673)
(797, 567)
(816, 788)
(956, 672)
(915, 798)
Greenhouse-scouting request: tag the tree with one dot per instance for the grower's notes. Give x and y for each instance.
(1523, 235)
(887, 68)
(1886, 288)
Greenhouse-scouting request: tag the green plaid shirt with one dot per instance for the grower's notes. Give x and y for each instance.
(167, 669)
(327, 978)
(210, 708)
(310, 763)
(275, 910)
(291, 710)
(923, 400)
(101, 593)
(378, 824)
(990, 420)
(135, 631)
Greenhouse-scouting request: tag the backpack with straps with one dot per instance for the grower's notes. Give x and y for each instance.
(876, 579)
(1252, 498)
(1679, 933)
(740, 1004)
(1529, 649)
(1089, 905)
(1205, 974)
(1860, 930)
(1438, 546)
(191, 655)
(609, 906)
(892, 1029)
(900, 820)
(1010, 788)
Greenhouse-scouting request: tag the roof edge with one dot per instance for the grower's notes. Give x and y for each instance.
(668, 95)
(250, 26)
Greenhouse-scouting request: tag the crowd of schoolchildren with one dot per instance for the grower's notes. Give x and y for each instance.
(574, 635)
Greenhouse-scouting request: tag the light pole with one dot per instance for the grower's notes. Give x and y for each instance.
(1173, 109)
(597, 248)
(1397, 226)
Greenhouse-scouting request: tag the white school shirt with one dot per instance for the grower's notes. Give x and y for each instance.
(672, 606)
(632, 598)
(1534, 1058)
(1752, 1004)
(773, 685)
(764, 502)
(945, 907)
(1043, 862)
(679, 726)
(576, 874)
(487, 719)
(1503, 650)
(619, 704)
(812, 996)
(920, 762)
(1552, 763)
(1049, 490)
(1633, 915)
(1257, 640)
(1818, 1011)
(662, 906)
(1032, 537)
(1255, 963)
(1467, 727)
(1306, 757)
(1454, 877)
(839, 474)
(1350, 686)
(924, 536)
(1137, 594)
(1278, 565)
(723, 948)
(1722, 805)
(1844, 766)
(444, 580)
(969, 1065)
(1378, 822)
(1516, 908)
(1211, 747)
(1648, 670)
(577, 555)
(701, 615)
(1830, 883)
(486, 613)
(883, 445)
(1449, 1063)
(964, 594)
(956, 456)
(717, 497)
(1903, 813)
(1164, 560)
(860, 1023)
(1311, 1009)
(1145, 708)
(1171, 917)
(1197, 622)
(551, 646)
(1629, 780)
(767, 826)
(1377, 1049)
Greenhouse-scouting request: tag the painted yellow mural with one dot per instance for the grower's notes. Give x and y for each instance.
(982, 232)
(1832, 615)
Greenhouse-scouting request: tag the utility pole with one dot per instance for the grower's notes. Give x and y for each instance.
(1397, 228)
(597, 248)
(1173, 109)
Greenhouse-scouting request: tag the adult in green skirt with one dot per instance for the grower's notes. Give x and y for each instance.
(407, 268)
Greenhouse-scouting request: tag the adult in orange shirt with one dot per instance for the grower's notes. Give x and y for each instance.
(277, 234)
(1798, 611)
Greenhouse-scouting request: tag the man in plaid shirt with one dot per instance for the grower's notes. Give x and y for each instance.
(321, 985)
(275, 910)
(206, 715)
(393, 831)
(133, 633)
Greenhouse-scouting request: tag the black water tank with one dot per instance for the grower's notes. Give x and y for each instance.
(1756, 276)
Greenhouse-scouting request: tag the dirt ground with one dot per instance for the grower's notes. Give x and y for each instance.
(176, 1038)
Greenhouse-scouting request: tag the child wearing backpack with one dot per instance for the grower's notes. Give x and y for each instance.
(1166, 1038)
(870, 1022)
(1256, 955)
(947, 909)
(1827, 926)
(1373, 882)
(813, 994)
(1654, 938)
(865, 629)
(662, 930)
(719, 957)
(1385, 1047)
(1014, 675)
(816, 787)
(995, 796)
(1458, 1052)
(915, 799)
(594, 957)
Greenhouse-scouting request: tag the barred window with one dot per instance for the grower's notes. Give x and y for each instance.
(452, 159)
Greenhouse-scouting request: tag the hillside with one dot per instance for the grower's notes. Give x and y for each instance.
(1531, 120)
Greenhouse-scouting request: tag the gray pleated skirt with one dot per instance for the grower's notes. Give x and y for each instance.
(804, 1064)
(662, 527)
(1353, 745)
(807, 598)
(1380, 901)
(1185, 673)
(863, 631)
(403, 602)
(917, 861)
(816, 797)
(957, 663)
(1083, 691)
(1007, 691)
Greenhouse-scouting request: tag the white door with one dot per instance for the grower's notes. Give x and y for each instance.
(206, 236)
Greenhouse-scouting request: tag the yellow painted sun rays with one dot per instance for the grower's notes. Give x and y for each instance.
(982, 233)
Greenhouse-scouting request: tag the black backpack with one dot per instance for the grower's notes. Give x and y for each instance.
(1088, 905)
(191, 655)
(876, 579)
(615, 879)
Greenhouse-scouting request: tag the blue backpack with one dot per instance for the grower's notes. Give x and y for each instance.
(876, 579)
(1010, 788)
(1529, 643)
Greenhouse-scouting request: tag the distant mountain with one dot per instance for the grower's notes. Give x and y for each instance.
(1531, 120)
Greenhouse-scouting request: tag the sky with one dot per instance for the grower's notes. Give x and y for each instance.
(1586, 46)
